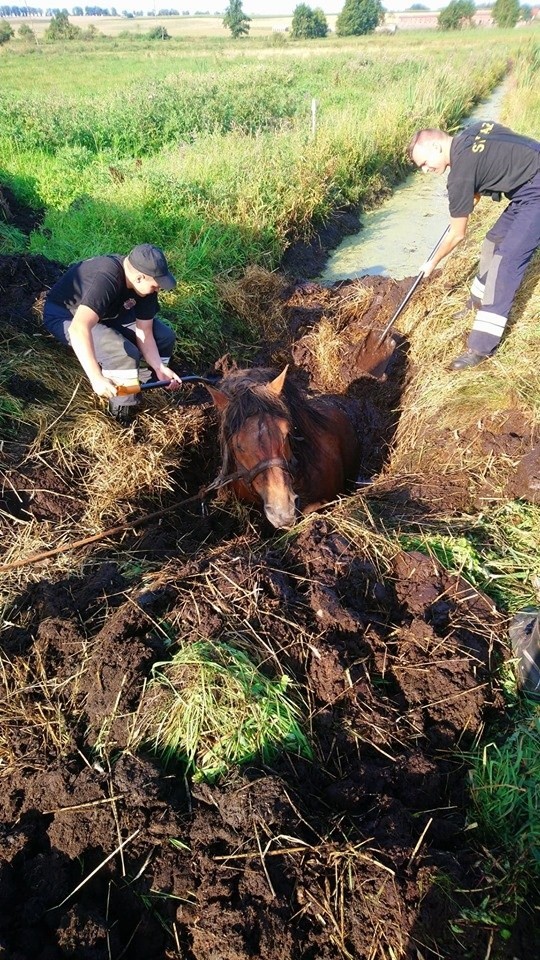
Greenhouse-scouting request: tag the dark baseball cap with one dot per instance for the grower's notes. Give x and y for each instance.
(152, 262)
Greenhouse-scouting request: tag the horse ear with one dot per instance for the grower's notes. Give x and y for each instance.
(220, 399)
(276, 386)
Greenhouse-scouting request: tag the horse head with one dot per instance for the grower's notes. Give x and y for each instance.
(256, 428)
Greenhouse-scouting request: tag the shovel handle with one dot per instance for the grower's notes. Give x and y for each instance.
(126, 390)
(405, 301)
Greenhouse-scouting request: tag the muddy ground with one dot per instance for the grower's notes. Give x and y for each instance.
(363, 852)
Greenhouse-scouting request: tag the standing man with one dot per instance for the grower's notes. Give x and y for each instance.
(105, 309)
(486, 160)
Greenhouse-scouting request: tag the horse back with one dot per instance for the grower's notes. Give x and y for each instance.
(334, 460)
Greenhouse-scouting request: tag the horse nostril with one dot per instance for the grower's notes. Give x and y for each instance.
(297, 504)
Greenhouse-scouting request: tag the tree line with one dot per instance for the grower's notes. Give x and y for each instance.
(17, 11)
(357, 17)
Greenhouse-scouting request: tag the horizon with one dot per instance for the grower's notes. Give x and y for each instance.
(252, 8)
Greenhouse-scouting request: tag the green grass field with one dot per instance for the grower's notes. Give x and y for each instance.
(212, 151)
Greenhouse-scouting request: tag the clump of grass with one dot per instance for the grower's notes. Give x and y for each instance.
(505, 790)
(505, 793)
(12, 240)
(258, 299)
(212, 708)
(10, 413)
(330, 341)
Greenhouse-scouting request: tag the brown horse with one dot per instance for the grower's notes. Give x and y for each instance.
(279, 448)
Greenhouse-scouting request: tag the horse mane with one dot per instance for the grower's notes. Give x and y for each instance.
(248, 393)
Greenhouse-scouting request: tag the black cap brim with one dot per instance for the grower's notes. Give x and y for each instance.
(168, 282)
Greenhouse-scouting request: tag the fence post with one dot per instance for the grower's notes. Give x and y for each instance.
(313, 118)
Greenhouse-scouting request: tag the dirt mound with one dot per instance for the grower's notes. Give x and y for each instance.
(17, 214)
(24, 281)
(362, 851)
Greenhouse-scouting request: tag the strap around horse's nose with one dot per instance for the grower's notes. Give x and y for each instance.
(249, 475)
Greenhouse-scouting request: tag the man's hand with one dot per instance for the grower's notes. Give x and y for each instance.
(165, 373)
(103, 387)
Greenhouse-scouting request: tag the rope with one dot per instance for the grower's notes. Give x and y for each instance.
(112, 531)
(216, 484)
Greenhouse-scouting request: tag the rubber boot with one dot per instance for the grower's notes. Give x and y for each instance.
(524, 633)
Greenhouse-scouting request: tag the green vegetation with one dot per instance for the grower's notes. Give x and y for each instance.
(308, 24)
(25, 32)
(456, 15)
(505, 789)
(505, 794)
(218, 165)
(212, 708)
(236, 20)
(506, 13)
(359, 17)
(61, 29)
(494, 551)
(6, 32)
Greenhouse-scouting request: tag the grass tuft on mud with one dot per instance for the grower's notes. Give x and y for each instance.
(212, 708)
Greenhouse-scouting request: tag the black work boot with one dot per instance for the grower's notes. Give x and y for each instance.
(524, 633)
(468, 359)
(123, 413)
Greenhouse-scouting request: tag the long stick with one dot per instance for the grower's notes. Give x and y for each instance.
(101, 536)
(404, 302)
(215, 485)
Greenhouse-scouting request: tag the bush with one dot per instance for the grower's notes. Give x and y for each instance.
(6, 31)
(61, 29)
(456, 15)
(158, 33)
(25, 32)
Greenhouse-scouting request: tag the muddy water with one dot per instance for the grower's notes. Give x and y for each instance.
(398, 237)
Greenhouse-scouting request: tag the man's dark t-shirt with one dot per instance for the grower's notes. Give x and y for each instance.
(100, 283)
(488, 159)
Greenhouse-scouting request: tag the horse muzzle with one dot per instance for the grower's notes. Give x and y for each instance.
(282, 516)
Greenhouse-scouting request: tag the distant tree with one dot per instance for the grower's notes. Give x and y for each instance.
(307, 23)
(26, 33)
(506, 13)
(525, 12)
(77, 11)
(456, 15)
(236, 20)
(417, 6)
(359, 17)
(61, 29)
(6, 32)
